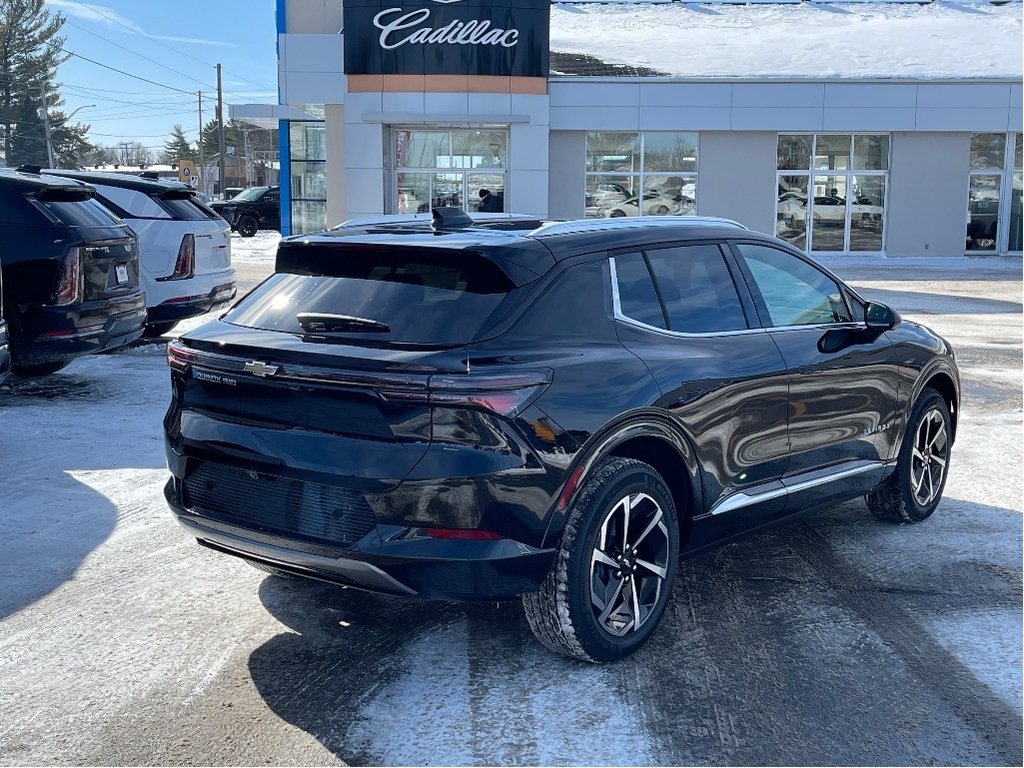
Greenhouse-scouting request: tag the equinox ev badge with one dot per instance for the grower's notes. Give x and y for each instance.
(257, 368)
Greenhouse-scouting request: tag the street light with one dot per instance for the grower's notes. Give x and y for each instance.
(44, 113)
(75, 111)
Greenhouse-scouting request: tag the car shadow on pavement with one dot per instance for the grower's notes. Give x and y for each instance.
(60, 451)
(810, 643)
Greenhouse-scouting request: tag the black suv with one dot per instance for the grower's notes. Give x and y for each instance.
(70, 271)
(470, 412)
(252, 210)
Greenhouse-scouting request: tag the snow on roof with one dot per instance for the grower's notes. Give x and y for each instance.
(965, 39)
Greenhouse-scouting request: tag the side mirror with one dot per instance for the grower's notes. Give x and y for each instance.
(879, 316)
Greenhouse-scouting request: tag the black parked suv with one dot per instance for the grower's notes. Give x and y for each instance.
(557, 413)
(252, 210)
(70, 273)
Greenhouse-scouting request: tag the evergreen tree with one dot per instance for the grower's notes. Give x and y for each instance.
(177, 147)
(26, 143)
(232, 138)
(70, 145)
(30, 52)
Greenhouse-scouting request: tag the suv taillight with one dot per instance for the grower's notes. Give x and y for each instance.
(185, 266)
(69, 284)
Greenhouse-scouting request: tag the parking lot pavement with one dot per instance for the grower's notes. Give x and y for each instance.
(833, 639)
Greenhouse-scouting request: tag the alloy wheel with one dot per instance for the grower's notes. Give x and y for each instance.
(629, 564)
(929, 458)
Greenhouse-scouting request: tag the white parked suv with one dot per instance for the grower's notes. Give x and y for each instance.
(184, 246)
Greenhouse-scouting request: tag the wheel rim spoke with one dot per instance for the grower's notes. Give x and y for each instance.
(655, 521)
(657, 570)
(604, 559)
(627, 571)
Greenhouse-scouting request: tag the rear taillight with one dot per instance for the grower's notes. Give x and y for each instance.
(69, 284)
(185, 266)
(504, 394)
(179, 357)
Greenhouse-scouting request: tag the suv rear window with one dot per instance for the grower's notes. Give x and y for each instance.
(186, 209)
(135, 204)
(82, 213)
(421, 298)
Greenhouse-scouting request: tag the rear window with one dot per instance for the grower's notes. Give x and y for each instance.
(82, 213)
(135, 204)
(442, 299)
(186, 209)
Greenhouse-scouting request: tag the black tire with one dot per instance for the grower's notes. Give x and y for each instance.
(40, 369)
(248, 226)
(923, 462)
(617, 214)
(563, 613)
(155, 330)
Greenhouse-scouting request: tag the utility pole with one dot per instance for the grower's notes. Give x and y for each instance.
(220, 133)
(245, 143)
(201, 186)
(44, 114)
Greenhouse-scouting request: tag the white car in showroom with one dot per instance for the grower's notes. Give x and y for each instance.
(184, 246)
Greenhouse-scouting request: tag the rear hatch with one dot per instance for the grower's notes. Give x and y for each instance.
(108, 254)
(350, 342)
(212, 234)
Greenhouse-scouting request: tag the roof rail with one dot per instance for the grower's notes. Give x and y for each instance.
(412, 218)
(35, 170)
(582, 226)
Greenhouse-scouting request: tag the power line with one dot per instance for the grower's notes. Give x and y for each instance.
(137, 31)
(136, 53)
(119, 71)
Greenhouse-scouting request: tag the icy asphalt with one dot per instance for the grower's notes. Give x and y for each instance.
(833, 639)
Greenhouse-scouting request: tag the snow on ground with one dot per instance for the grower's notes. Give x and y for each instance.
(259, 249)
(862, 40)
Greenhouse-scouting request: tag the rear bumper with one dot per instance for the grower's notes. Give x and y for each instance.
(388, 559)
(183, 307)
(60, 334)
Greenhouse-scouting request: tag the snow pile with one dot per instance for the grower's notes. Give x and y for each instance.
(863, 40)
(259, 249)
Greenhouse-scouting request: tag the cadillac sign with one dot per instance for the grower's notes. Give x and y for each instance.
(447, 37)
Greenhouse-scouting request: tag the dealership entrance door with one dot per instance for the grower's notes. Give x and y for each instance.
(455, 167)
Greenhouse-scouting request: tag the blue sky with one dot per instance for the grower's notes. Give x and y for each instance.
(173, 43)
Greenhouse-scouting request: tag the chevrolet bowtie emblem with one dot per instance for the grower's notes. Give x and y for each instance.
(257, 368)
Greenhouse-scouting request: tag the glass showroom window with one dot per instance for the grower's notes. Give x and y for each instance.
(641, 174)
(994, 194)
(832, 191)
(464, 168)
(308, 176)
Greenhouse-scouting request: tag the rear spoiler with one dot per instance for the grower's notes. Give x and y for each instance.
(76, 194)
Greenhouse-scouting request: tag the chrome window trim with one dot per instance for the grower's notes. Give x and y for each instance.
(617, 311)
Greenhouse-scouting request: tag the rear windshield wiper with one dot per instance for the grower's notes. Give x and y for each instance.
(319, 322)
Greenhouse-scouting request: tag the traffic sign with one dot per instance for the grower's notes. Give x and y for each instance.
(187, 172)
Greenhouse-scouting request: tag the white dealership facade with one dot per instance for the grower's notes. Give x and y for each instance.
(844, 127)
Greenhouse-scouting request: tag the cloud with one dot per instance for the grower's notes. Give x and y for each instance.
(108, 17)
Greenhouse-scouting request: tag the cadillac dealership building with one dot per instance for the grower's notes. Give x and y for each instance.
(844, 126)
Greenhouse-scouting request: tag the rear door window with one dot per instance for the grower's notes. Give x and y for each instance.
(17, 209)
(692, 289)
(406, 297)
